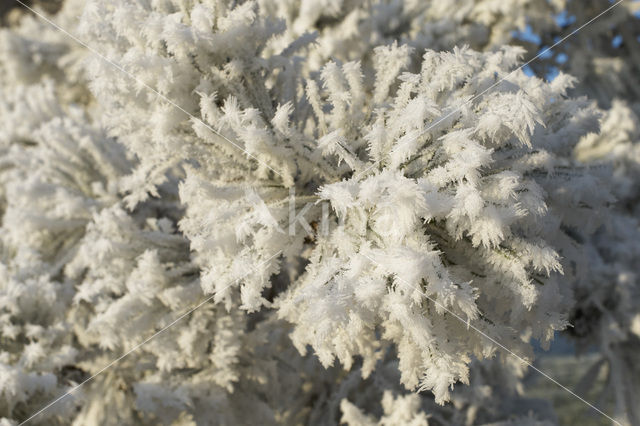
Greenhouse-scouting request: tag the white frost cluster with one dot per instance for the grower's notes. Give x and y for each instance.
(361, 191)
